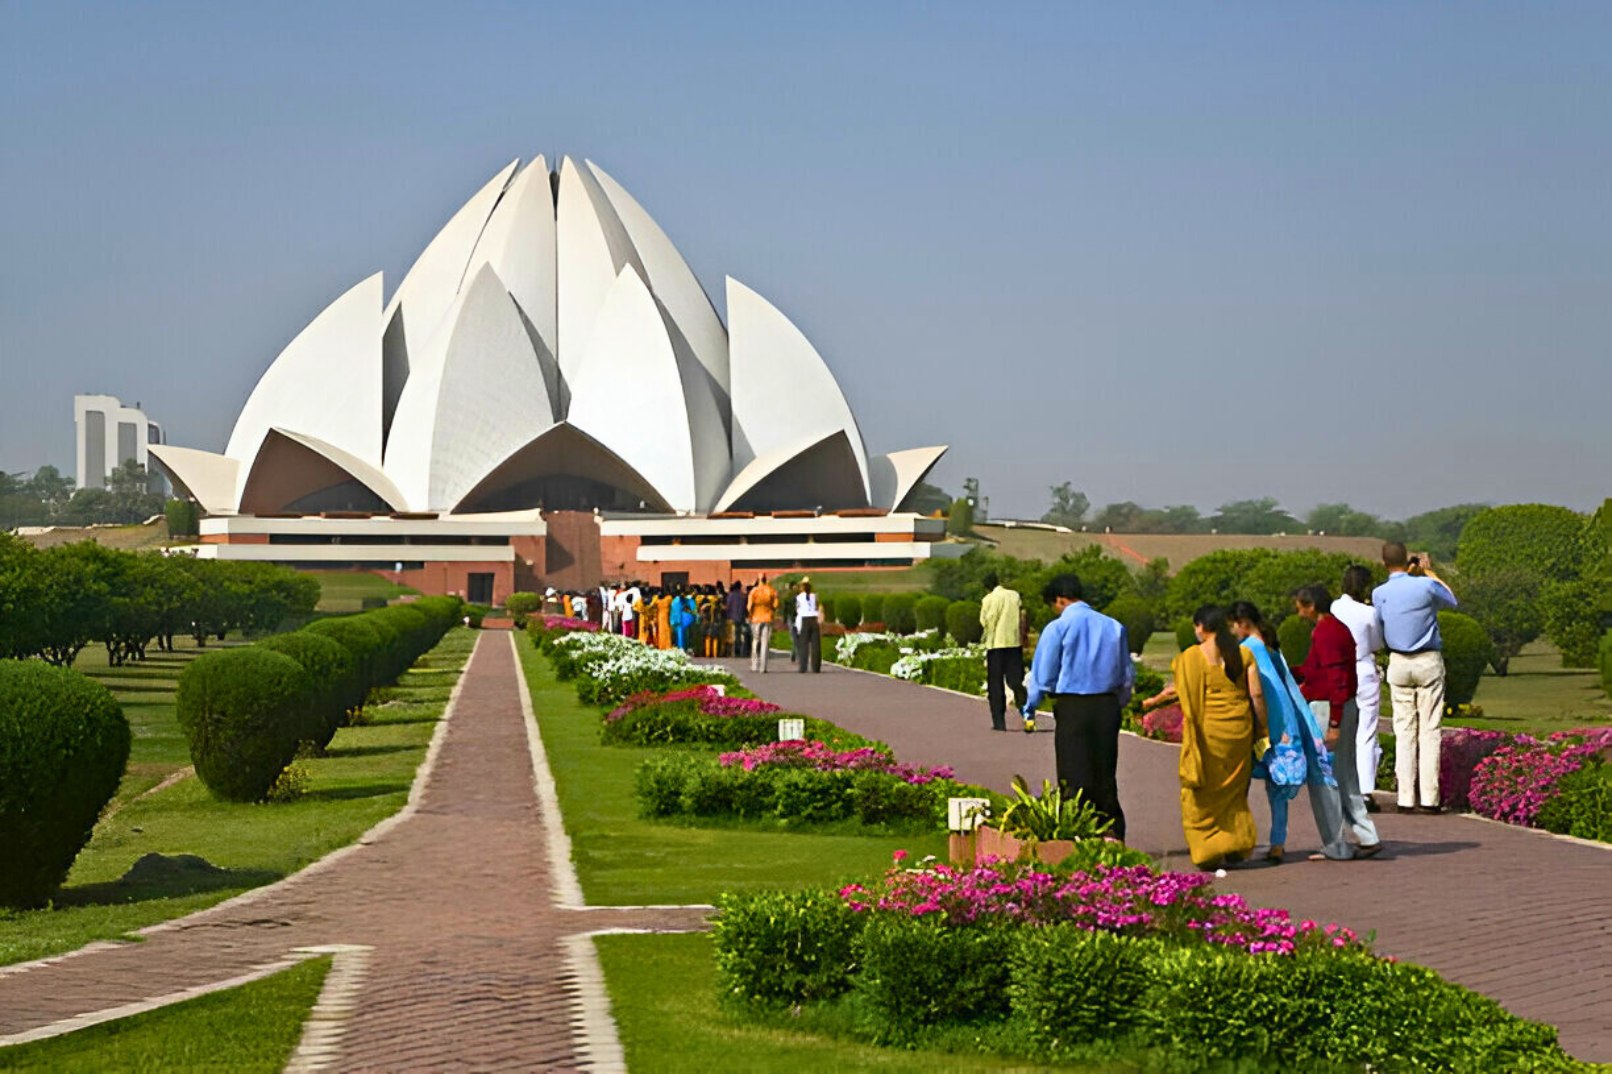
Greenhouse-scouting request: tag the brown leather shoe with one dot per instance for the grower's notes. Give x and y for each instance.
(1428, 810)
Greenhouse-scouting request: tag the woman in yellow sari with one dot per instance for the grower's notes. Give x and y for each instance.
(663, 620)
(1223, 715)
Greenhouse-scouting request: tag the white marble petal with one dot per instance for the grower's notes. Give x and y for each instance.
(783, 393)
(628, 393)
(325, 384)
(372, 477)
(205, 477)
(898, 473)
(593, 248)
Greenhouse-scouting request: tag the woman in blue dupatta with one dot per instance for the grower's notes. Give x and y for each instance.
(684, 615)
(1295, 754)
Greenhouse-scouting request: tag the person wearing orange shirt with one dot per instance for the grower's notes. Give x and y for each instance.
(763, 605)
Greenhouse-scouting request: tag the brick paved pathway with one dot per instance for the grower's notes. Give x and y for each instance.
(1515, 914)
(468, 970)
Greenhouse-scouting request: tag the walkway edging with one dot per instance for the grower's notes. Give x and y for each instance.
(556, 841)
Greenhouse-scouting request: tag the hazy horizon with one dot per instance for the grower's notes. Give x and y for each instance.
(1320, 253)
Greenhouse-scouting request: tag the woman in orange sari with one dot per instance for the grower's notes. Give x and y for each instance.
(1223, 715)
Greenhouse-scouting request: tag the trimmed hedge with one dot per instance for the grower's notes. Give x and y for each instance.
(364, 645)
(332, 672)
(520, 606)
(963, 622)
(915, 972)
(1136, 615)
(930, 612)
(848, 610)
(1606, 662)
(873, 607)
(1294, 637)
(243, 711)
(1185, 636)
(900, 613)
(63, 745)
(777, 948)
(1467, 651)
(876, 656)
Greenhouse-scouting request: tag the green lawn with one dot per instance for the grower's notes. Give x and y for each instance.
(879, 580)
(344, 591)
(625, 859)
(1539, 696)
(365, 778)
(243, 1030)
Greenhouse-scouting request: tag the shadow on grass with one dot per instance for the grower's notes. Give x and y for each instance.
(125, 687)
(117, 892)
(358, 791)
(367, 751)
(393, 721)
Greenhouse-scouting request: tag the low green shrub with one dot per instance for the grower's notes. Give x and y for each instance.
(364, 645)
(63, 745)
(805, 795)
(681, 723)
(900, 613)
(873, 607)
(243, 712)
(876, 656)
(1136, 615)
(1606, 662)
(965, 674)
(1582, 804)
(963, 622)
(476, 614)
(413, 636)
(777, 948)
(1294, 638)
(1070, 986)
(1148, 682)
(520, 606)
(930, 612)
(1185, 636)
(1467, 651)
(848, 610)
(914, 972)
(330, 670)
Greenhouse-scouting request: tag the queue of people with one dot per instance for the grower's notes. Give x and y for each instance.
(1247, 714)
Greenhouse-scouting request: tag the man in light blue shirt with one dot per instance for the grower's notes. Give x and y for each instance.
(1083, 661)
(1409, 604)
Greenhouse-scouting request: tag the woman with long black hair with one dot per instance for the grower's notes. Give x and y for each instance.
(1223, 714)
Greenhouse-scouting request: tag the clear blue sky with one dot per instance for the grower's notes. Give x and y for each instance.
(1190, 253)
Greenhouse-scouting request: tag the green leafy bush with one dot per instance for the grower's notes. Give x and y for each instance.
(1606, 663)
(243, 711)
(848, 610)
(930, 612)
(1148, 682)
(965, 674)
(1135, 615)
(182, 517)
(1550, 540)
(778, 948)
(1572, 614)
(1467, 651)
(364, 645)
(476, 613)
(413, 632)
(1294, 637)
(900, 613)
(1581, 805)
(520, 606)
(876, 656)
(1217, 578)
(1185, 636)
(63, 745)
(963, 621)
(914, 972)
(681, 723)
(1071, 986)
(331, 672)
(873, 607)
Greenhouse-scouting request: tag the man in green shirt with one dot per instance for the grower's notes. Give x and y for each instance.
(1001, 614)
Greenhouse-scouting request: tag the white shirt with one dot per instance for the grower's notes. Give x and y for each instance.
(625, 601)
(1367, 627)
(805, 605)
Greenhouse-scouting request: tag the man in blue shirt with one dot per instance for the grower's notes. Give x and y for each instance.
(1083, 661)
(1409, 603)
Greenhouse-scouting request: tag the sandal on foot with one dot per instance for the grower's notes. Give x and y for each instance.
(1275, 855)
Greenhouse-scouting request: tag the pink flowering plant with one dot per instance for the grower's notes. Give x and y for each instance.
(1459, 755)
(825, 758)
(1514, 782)
(1127, 900)
(705, 698)
(1163, 724)
(705, 715)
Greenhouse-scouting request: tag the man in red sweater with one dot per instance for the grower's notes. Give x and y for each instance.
(1328, 679)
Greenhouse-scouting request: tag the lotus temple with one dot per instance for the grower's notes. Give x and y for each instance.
(550, 398)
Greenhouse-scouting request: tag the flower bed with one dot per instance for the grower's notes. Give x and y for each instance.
(1163, 724)
(705, 715)
(1459, 754)
(1516, 781)
(1104, 965)
(608, 669)
(800, 782)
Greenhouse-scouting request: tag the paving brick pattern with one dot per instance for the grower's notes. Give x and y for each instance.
(467, 973)
(1515, 914)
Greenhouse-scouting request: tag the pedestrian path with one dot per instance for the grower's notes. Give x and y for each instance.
(472, 961)
(1520, 916)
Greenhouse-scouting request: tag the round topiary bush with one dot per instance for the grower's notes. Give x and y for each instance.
(333, 676)
(1136, 615)
(1467, 651)
(521, 605)
(1294, 637)
(900, 613)
(243, 711)
(930, 612)
(963, 622)
(63, 745)
(873, 607)
(442, 612)
(413, 632)
(1185, 636)
(848, 610)
(364, 646)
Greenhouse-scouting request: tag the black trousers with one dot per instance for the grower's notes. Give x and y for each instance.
(1087, 748)
(810, 644)
(1003, 668)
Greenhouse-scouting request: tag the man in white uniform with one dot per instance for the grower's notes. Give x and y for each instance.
(1353, 611)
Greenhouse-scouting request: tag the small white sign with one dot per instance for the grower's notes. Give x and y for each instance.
(720, 689)
(966, 814)
(791, 730)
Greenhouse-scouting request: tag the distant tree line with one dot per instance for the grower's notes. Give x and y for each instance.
(47, 498)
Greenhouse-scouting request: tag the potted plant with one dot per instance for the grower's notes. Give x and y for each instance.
(1044, 828)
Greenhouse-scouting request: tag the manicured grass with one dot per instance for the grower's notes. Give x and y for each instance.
(344, 591)
(243, 1030)
(664, 997)
(1539, 696)
(622, 858)
(365, 777)
(883, 580)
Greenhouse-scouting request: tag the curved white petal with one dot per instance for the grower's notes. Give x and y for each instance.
(895, 475)
(207, 478)
(518, 243)
(593, 248)
(673, 282)
(783, 393)
(819, 471)
(326, 383)
(628, 394)
(429, 288)
(294, 472)
(481, 396)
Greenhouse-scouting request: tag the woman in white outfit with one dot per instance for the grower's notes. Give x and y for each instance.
(1353, 611)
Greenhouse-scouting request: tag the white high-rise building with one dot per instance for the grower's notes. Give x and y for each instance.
(110, 434)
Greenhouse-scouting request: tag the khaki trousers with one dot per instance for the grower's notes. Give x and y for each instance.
(763, 642)
(1416, 684)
